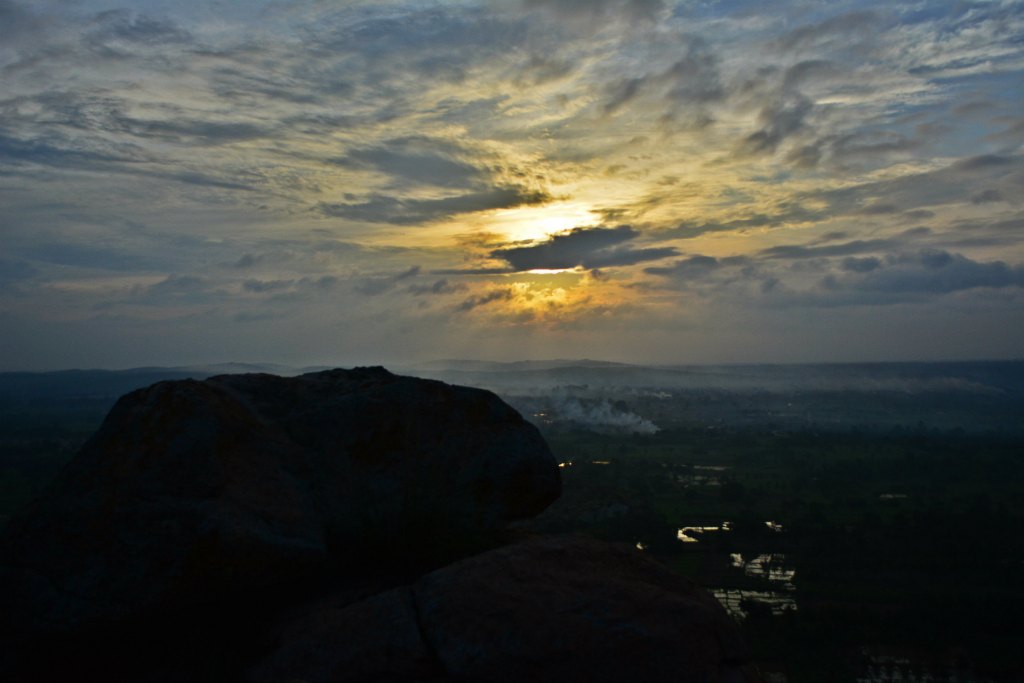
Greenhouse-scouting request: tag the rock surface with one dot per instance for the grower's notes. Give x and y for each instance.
(547, 609)
(193, 490)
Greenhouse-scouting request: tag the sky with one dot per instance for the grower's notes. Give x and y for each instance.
(310, 182)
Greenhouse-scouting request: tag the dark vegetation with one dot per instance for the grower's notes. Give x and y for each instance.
(896, 545)
(905, 548)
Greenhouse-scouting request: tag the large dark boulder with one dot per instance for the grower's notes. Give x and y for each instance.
(548, 609)
(193, 491)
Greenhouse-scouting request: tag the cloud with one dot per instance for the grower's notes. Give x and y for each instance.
(986, 196)
(15, 270)
(586, 248)
(687, 269)
(87, 256)
(378, 285)
(18, 25)
(442, 286)
(420, 160)
(800, 251)
(914, 195)
(687, 85)
(173, 290)
(72, 155)
(501, 294)
(786, 213)
(402, 211)
(627, 10)
(286, 289)
(708, 271)
(121, 25)
(135, 144)
(778, 120)
(898, 277)
(198, 132)
(861, 265)
(264, 286)
(937, 272)
(838, 31)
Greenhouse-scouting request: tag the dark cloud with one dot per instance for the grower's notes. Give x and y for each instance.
(708, 274)
(254, 88)
(107, 113)
(806, 156)
(986, 196)
(809, 71)
(695, 78)
(867, 145)
(127, 26)
(877, 209)
(93, 155)
(1012, 137)
(503, 294)
(394, 50)
(985, 161)
(919, 215)
(193, 132)
(419, 160)
(264, 286)
(630, 10)
(894, 277)
(17, 23)
(292, 290)
(839, 31)
(936, 272)
(323, 282)
(861, 265)
(689, 84)
(442, 286)
(175, 289)
(694, 267)
(200, 179)
(87, 256)
(786, 213)
(399, 211)
(70, 155)
(246, 261)
(801, 251)
(178, 283)
(473, 271)
(778, 120)
(912, 193)
(378, 285)
(622, 93)
(12, 271)
(587, 248)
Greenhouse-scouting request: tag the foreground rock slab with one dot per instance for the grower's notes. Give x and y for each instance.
(547, 609)
(196, 490)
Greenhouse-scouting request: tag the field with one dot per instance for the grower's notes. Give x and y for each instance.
(841, 554)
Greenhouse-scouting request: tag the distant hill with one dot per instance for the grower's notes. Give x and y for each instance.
(114, 383)
(964, 377)
(982, 377)
(454, 364)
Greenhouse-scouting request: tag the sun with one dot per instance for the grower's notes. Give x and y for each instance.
(535, 223)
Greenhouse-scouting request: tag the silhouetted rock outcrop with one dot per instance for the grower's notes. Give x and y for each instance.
(548, 609)
(251, 527)
(192, 490)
